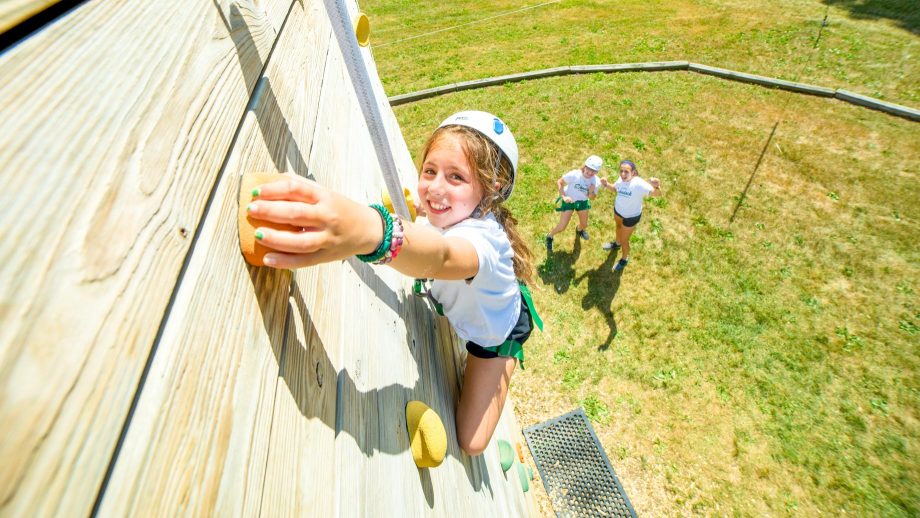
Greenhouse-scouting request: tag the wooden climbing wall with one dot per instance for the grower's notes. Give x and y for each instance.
(145, 369)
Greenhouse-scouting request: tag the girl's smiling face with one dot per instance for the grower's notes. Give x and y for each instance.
(447, 186)
(626, 172)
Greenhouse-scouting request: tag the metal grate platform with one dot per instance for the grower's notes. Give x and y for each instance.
(575, 469)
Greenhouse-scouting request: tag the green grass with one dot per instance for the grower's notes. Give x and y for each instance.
(871, 52)
(767, 366)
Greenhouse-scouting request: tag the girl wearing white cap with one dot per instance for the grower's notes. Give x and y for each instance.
(627, 209)
(471, 248)
(576, 189)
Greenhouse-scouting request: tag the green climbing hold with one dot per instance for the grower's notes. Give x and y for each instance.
(506, 454)
(530, 472)
(525, 481)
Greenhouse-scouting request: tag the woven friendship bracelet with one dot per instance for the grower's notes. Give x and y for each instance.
(395, 242)
(386, 243)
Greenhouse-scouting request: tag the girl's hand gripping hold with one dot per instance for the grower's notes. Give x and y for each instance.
(332, 227)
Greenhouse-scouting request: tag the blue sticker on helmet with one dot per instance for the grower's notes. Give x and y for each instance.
(498, 126)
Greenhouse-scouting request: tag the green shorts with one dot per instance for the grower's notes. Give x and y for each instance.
(578, 205)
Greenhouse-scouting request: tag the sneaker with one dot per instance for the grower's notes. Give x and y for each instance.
(549, 244)
(611, 245)
(620, 265)
(582, 234)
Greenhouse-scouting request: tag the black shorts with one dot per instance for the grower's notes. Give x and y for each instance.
(628, 222)
(519, 333)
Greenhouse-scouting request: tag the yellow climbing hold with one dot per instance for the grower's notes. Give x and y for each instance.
(363, 29)
(427, 436)
(388, 202)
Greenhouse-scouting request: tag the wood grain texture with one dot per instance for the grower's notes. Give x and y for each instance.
(204, 424)
(113, 132)
(267, 393)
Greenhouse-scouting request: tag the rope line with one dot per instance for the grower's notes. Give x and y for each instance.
(776, 124)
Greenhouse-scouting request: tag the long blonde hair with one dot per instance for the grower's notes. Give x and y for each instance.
(482, 156)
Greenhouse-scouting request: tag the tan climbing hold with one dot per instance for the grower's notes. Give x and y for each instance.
(253, 250)
(427, 436)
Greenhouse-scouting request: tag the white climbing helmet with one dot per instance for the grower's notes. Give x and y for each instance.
(594, 162)
(496, 131)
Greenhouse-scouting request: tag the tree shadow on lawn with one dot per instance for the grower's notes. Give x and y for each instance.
(558, 268)
(603, 284)
(904, 12)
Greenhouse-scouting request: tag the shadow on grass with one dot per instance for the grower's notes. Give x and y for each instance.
(903, 12)
(559, 268)
(603, 284)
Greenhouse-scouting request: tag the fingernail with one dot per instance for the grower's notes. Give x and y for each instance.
(259, 235)
(269, 261)
(250, 207)
(255, 192)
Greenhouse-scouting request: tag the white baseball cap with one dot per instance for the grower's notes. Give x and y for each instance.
(495, 130)
(594, 162)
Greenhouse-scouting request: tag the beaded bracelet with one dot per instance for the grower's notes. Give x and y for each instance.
(396, 241)
(385, 244)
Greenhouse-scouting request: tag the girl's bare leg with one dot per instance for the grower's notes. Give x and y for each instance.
(563, 222)
(623, 235)
(485, 387)
(583, 220)
(619, 229)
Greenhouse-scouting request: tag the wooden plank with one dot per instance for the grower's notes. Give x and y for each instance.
(299, 468)
(362, 294)
(206, 423)
(400, 351)
(875, 104)
(652, 66)
(397, 100)
(113, 131)
(762, 81)
(14, 12)
(381, 367)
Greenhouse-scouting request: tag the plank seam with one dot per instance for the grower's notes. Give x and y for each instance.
(24, 29)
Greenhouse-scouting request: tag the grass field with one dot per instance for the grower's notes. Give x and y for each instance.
(767, 366)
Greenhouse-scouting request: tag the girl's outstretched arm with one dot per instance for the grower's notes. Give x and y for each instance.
(656, 183)
(335, 227)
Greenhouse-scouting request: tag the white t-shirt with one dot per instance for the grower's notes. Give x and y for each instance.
(630, 195)
(485, 308)
(577, 185)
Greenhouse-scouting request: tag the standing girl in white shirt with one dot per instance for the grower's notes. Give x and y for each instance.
(627, 209)
(576, 189)
(471, 248)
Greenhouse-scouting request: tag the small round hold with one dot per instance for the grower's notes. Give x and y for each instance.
(363, 29)
(505, 454)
